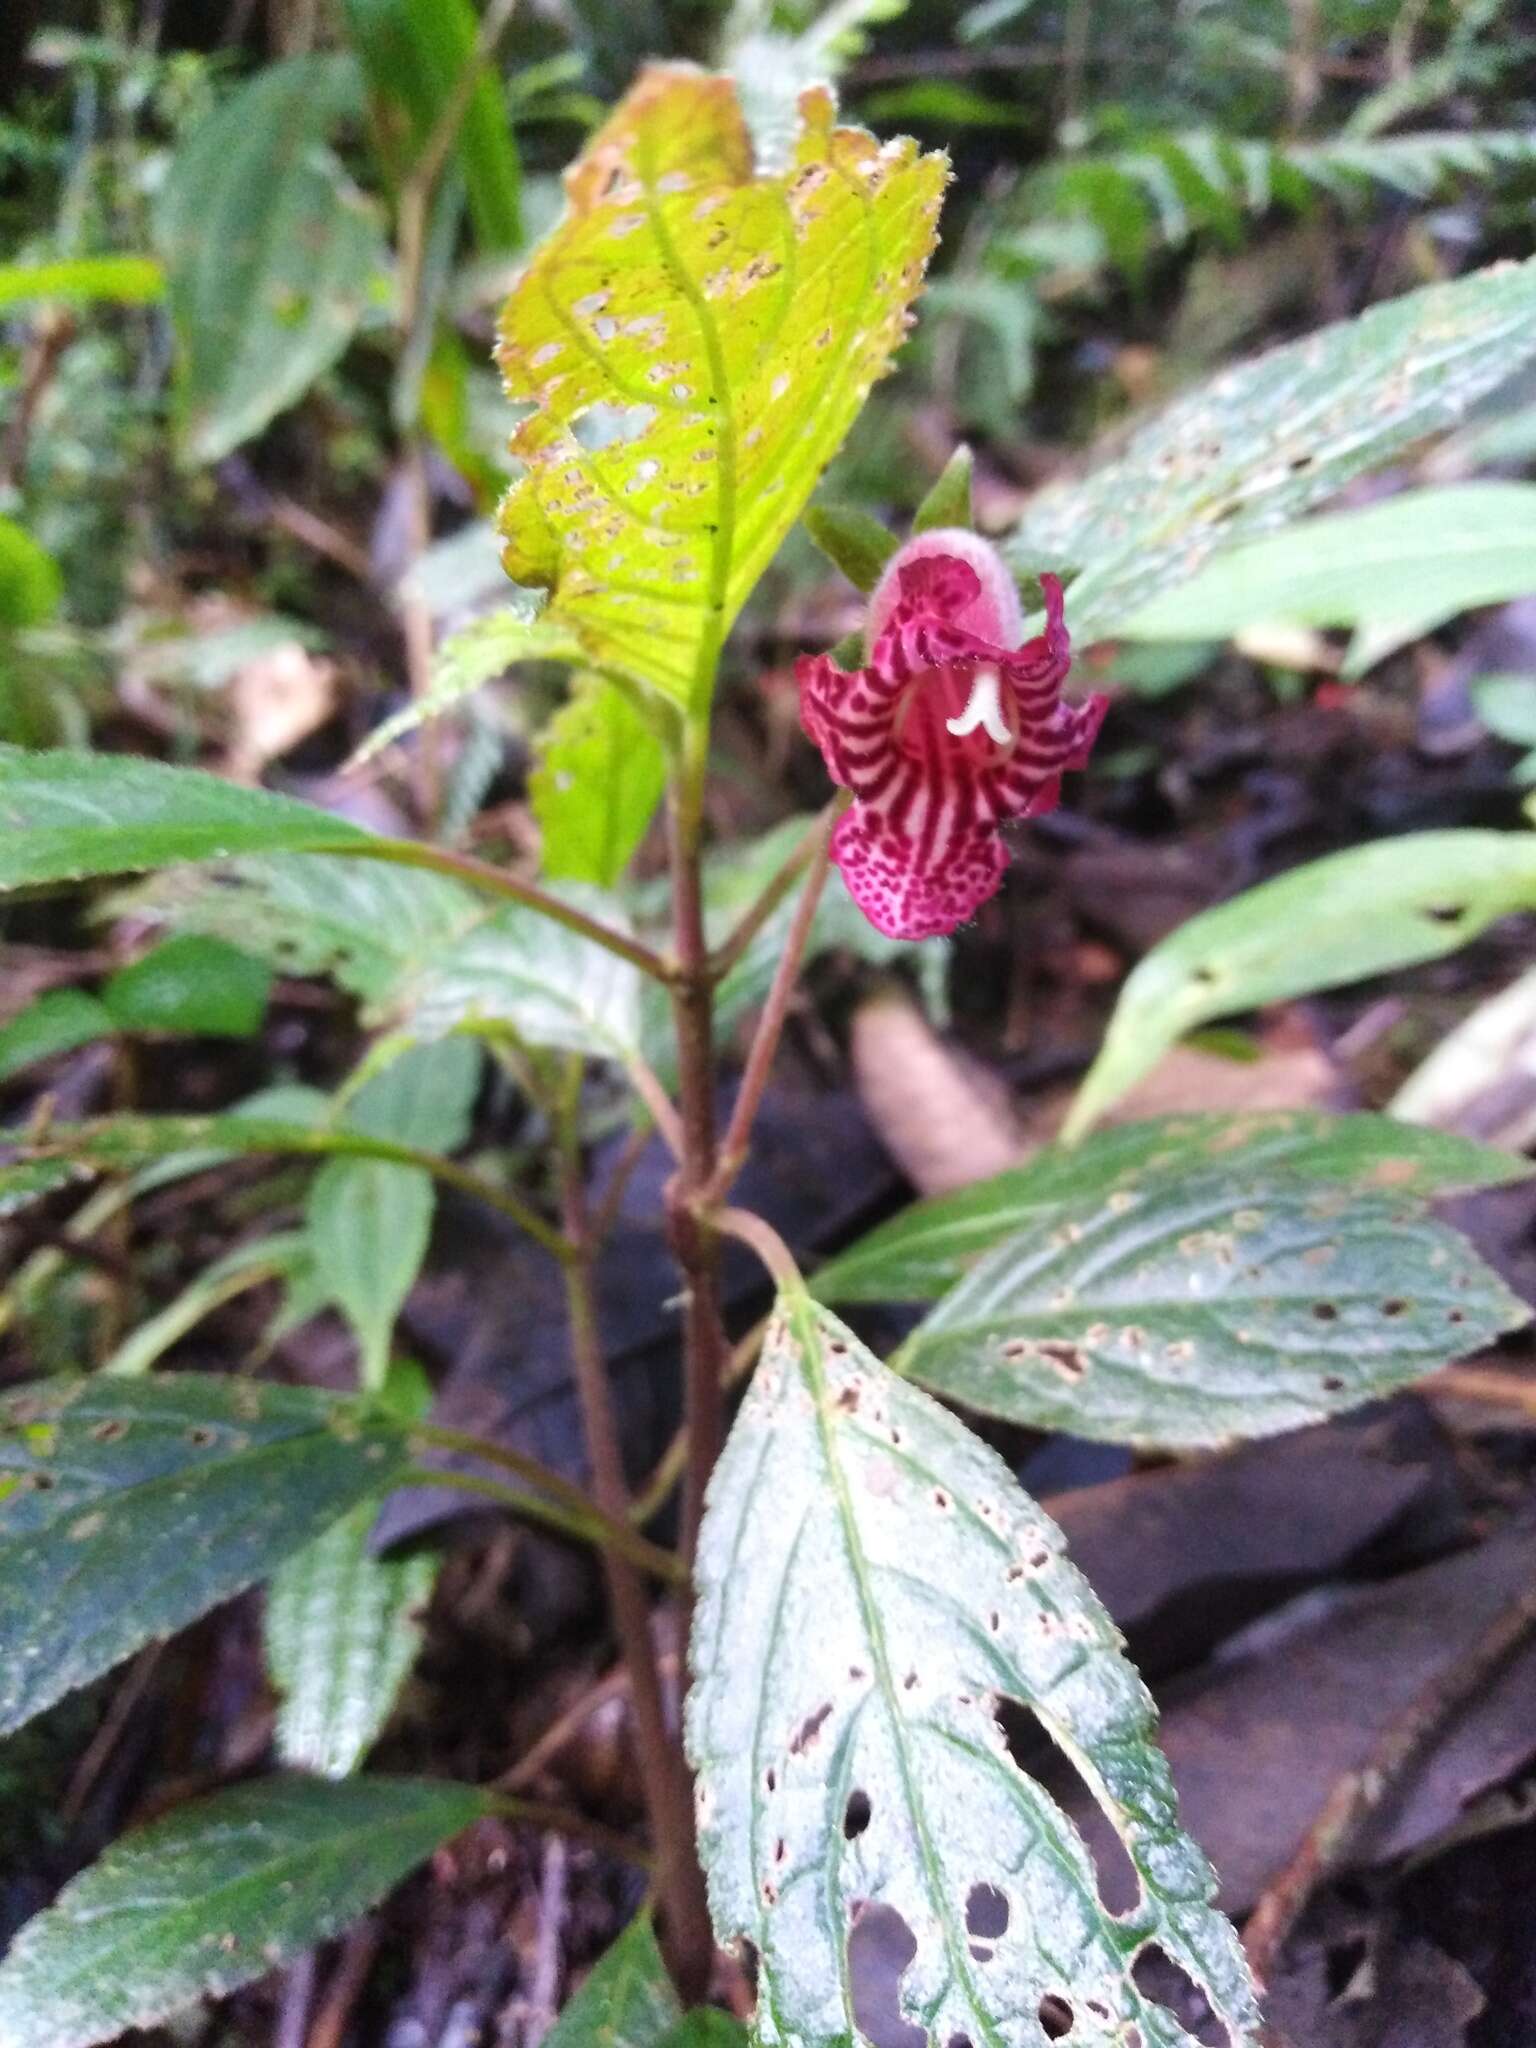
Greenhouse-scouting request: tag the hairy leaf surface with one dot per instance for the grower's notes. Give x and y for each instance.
(343, 1629)
(129, 1507)
(1201, 1308)
(67, 815)
(928, 1247)
(1341, 919)
(843, 1721)
(213, 1895)
(1262, 443)
(693, 342)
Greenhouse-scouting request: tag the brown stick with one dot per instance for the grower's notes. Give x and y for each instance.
(1359, 1795)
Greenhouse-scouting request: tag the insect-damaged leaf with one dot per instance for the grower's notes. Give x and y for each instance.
(694, 341)
(1333, 921)
(924, 1250)
(1200, 1308)
(129, 1507)
(213, 1895)
(844, 1722)
(1265, 441)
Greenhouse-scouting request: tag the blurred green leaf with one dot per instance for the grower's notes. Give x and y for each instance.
(369, 1223)
(83, 281)
(927, 1248)
(948, 503)
(600, 775)
(1262, 443)
(342, 1631)
(415, 54)
(249, 1265)
(852, 540)
(1507, 706)
(57, 1022)
(272, 255)
(627, 2001)
(424, 1096)
(1394, 571)
(693, 343)
(128, 1507)
(217, 1893)
(901, 1586)
(31, 581)
(1333, 921)
(473, 657)
(191, 984)
(1200, 1308)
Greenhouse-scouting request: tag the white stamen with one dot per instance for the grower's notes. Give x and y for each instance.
(982, 708)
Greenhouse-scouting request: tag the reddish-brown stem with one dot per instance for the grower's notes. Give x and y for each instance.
(694, 1244)
(770, 1024)
(688, 1938)
(815, 839)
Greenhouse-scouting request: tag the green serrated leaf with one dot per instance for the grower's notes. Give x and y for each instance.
(852, 540)
(626, 2002)
(693, 341)
(949, 502)
(57, 1022)
(600, 775)
(1333, 921)
(1262, 443)
(129, 1507)
(213, 1895)
(271, 253)
(843, 1724)
(68, 815)
(193, 984)
(342, 1631)
(1202, 1308)
(927, 1248)
(471, 658)
(1394, 571)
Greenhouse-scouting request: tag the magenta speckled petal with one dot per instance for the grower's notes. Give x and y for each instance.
(943, 737)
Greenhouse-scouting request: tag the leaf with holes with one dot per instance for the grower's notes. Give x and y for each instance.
(1264, 442)
(1201, 1308)
(693, 342)
(69, 815)
(1389, 904)
(845, 1725)
(213, 1895)
(130, 1507)
(927, 1248)
(272, 255)
(600, 775)
(343, 1629)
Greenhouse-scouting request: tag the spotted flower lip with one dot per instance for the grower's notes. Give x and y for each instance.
(951, 729)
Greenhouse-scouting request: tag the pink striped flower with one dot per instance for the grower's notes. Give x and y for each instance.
(951, 729)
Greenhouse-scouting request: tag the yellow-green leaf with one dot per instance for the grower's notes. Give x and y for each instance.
(693, 342)
(600, 777)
